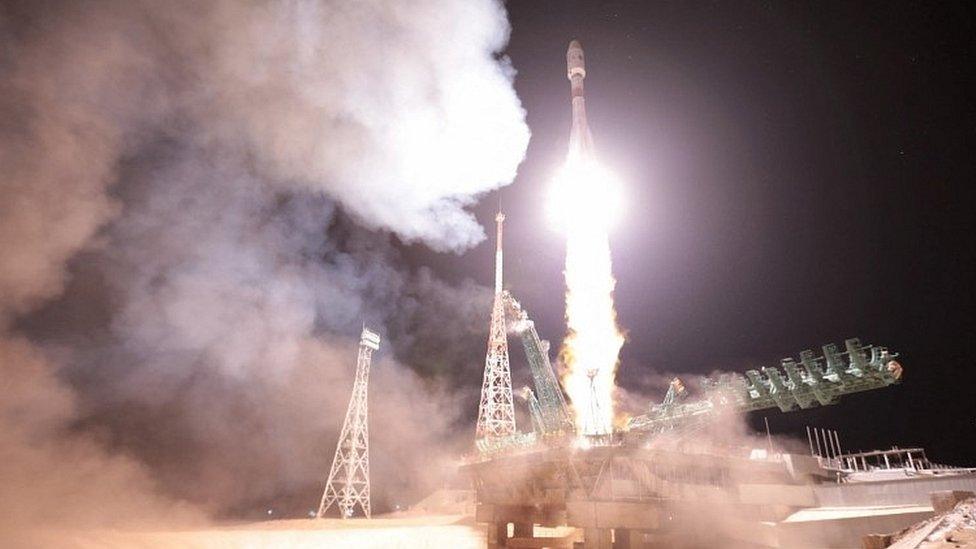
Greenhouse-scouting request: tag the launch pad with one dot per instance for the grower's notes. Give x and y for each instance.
(626, 496)
(669, 479)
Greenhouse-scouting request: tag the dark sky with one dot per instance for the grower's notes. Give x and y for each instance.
(795, 175)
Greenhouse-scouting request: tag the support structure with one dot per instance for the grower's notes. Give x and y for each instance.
(496, 412)
(348, 483)
(814, 381)
(555, 417)
(594, 428)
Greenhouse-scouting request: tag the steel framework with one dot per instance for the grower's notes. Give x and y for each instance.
(496, 412)
(813, 381)
(554, 413)
(348, 483)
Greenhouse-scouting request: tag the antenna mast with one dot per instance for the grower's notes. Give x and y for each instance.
(496, 412)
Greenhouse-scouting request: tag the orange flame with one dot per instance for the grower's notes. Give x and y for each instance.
(584, 201)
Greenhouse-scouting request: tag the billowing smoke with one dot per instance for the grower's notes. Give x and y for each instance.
(200, 205)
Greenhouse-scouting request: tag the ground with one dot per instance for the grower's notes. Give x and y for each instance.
(431, 532)
(955, 528)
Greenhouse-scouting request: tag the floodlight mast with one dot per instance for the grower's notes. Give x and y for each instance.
(348, 482)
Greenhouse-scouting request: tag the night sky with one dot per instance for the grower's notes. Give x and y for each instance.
(795, 175)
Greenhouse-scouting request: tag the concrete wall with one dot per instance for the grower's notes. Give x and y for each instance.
(843, 532)
(890, 492)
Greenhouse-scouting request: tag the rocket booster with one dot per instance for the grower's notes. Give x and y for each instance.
(580, 140)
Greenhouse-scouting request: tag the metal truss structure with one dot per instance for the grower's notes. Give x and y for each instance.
(496, 412)
(348, 483)
(813, 381)
(550, 403)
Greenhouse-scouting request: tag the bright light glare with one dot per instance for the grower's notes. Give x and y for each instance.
(584, 203)
(583, 192)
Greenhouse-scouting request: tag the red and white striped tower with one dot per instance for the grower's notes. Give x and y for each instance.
(496, 413)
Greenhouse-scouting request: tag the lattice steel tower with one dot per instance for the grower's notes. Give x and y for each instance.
(348, 483)
(496, 413)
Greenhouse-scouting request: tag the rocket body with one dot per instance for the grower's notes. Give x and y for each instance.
(580, 140)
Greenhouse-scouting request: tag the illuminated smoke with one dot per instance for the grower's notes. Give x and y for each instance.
(198, 204)
(584, 203)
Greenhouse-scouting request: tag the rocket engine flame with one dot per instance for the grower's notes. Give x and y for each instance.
(584, 202)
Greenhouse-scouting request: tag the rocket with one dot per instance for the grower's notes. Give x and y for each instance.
(580, 140)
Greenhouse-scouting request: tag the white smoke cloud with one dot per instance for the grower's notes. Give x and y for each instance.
(401, 111)
(194, 159)
(244, 322)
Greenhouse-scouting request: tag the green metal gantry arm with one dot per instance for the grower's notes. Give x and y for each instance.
(549, 398)
(811, 382)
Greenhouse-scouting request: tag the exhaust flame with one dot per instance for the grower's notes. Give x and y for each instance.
(584, 203)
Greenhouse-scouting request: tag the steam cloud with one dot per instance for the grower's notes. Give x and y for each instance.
(198, 207)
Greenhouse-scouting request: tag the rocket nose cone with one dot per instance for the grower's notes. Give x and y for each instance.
(575, 66)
